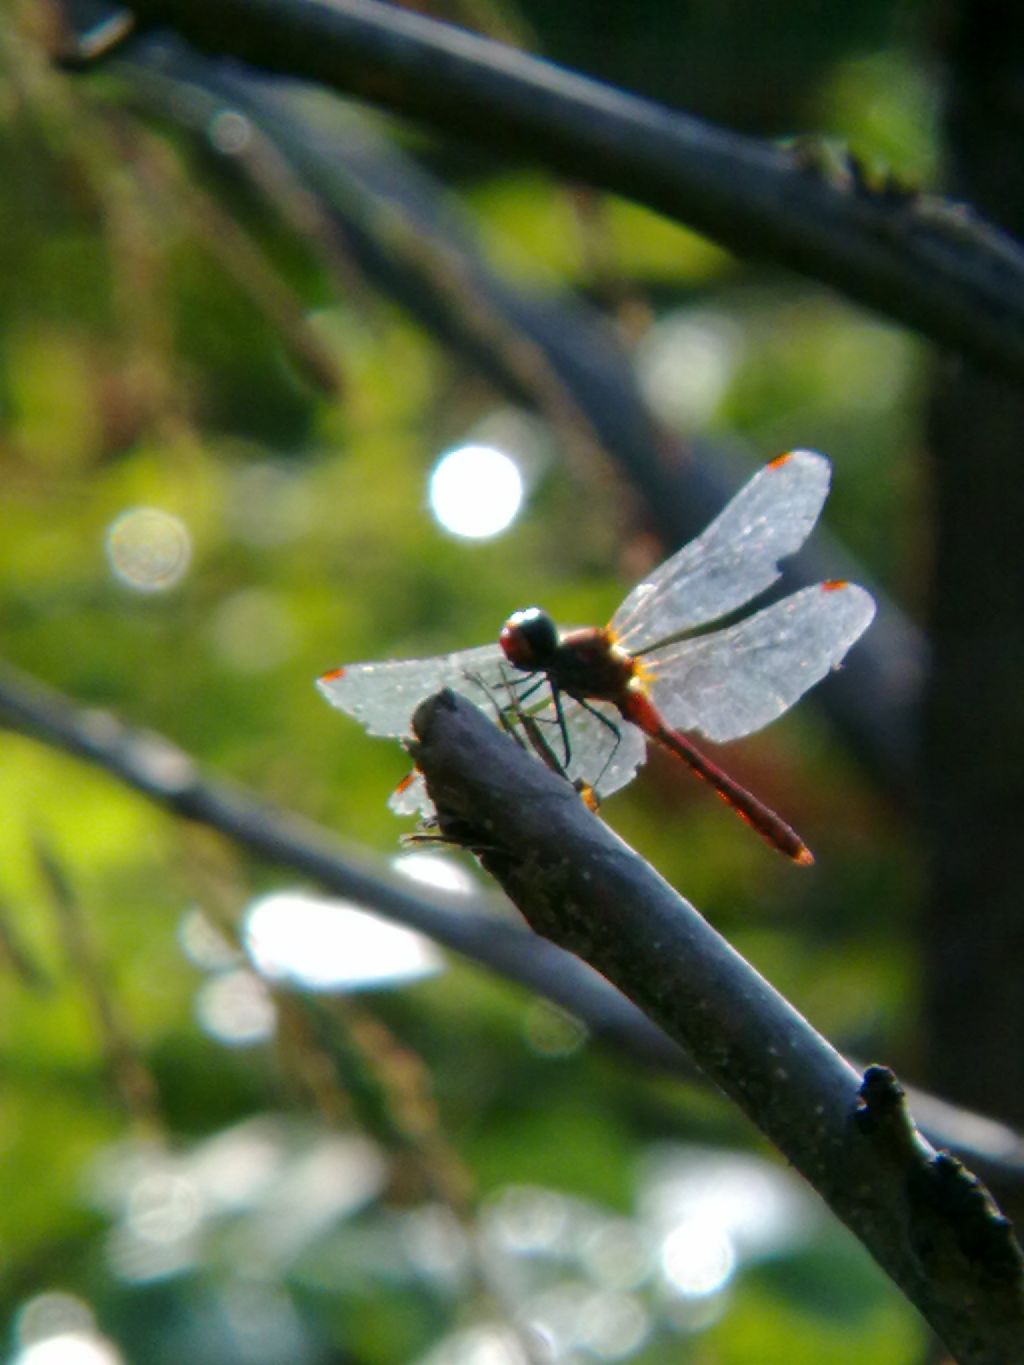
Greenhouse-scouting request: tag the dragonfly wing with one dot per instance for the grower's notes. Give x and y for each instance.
(410, 797)
(605, 757)
(736, 680)
(602, 757)
(383, 696)
(732, 561)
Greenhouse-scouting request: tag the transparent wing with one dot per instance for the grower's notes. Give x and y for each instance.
(605, 757)
(734, 681)
(383, 696)
(734, 559)
(410, 797)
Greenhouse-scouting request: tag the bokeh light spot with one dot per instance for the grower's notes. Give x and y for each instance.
(685, 365)
(148, 550)
(613, 1326)
(528, 1220)
(476, 491)
(52, 1314)
(252, 630)
(698, 1258)
(230, 132)
(204, 944)
(327, 944)
(761, 1210)
(69, 1348)
(235, 1008)
(553, 1032)
(434, 869)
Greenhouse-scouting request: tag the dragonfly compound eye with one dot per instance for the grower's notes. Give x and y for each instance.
(529, 638)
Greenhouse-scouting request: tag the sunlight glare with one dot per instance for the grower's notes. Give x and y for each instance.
(484, 1344)
(476, 491)
(698, 1258)
(325, 944)
(762, 1211)
(69, 1348)
(434, 869)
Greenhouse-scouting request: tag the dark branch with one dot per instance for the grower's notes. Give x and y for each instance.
(929, 1223)
(928, 264)
(160, 770)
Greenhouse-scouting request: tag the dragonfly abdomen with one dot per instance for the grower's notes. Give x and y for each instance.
(639, 709)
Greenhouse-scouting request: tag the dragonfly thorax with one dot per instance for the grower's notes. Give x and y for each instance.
(529, 639)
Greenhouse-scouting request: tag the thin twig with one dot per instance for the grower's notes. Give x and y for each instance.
(131, 1078)
(925, 1219)
(926, 263)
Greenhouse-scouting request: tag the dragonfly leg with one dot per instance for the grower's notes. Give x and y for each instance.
(515, 720)
(563, 729)
(531, 726)
(499, 707)
(502, 709)
(516, 709)
(609, 724)
(536, 682)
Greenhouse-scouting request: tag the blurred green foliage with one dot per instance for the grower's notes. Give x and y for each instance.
(165, 345)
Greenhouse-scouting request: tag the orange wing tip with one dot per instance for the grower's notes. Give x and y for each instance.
(804, 858)
(333, 676)
(406, 781)
(780, 460)
(835, 585)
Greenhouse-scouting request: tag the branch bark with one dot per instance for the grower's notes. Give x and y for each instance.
(926, 1220)
(154, 766)
(928, 264)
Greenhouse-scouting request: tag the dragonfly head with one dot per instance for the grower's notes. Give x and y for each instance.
(529, 639)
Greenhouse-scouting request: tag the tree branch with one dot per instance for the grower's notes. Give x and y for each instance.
(928, 264)
(925, 1219)
(151, 764)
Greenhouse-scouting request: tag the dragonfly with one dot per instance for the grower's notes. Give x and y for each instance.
(665, 667)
